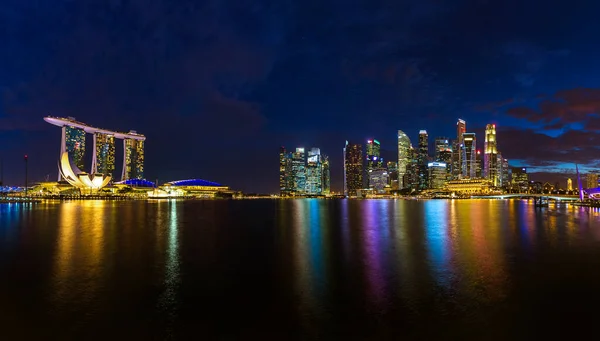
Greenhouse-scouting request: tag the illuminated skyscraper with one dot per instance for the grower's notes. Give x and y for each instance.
(104, 159)
(479, 162)
(353, 169)
(569, 184)
(286, 180)
(457, 150)
(75, 145)
(326, 175)
(423, 159)
(443, 153)
(392, 169)
(461, 128)
(133, 160)
(314, 172)
(373, 149)
(520, 180)
(437, 174)
(469, 156)
(378, 180)
(404, 157)
(503, 172)
(490, 156)
(299, 171)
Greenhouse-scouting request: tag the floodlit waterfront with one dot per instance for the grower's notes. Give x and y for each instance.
(298, 269)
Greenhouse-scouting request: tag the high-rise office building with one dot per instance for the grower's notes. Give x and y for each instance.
(326, 175)
(592, 180)
(411, 177)
(569, 184)
(404, 157)
(520, 179)
(392, 169)
(378, 180)
(133, 159)
(373, 149)
(75, 145)
(469, 155)
(423, 159)
(353, 169)
(299, 171)
(479, 165)
(457, 150)
(104, 161)
(503, 171)
(437, 174)
(490, 156)
(314, 172)
(461, 128)
(286, 180)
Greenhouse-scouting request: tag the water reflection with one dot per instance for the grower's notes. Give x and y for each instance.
(79, 261)
(168, 300)
(376, 224)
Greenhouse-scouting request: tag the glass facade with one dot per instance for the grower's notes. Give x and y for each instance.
(314, 173)
(299, 171)
(469, 156)
(105, 153)
(404, 157)
(423, 160)
(75, 145)
(353, 168)
(378, 180)
(437, 174)
(490, 156)
(326, 177)
(134, 159)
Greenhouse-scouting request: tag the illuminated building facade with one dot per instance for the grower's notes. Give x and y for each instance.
(520, 180)
(286, 179)
(490, 156)
(469, 156)
(314, 172)
(299, 171)
(103, 158)
(404, 157)
(373, 149)
(411, 177)
(378, 180)
(104, 161)
(569, 184)
(133, 159)
(592, 180)
(74, 142)
(353, 169)
(423, 159)
(479, 163)
(326, 175)
(437, 174)
(469, 186)
(392, 169)
(457, 148)
(503, 171)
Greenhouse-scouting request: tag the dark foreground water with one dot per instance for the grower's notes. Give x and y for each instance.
(298, 270)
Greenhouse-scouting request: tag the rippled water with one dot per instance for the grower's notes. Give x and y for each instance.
(298, 269)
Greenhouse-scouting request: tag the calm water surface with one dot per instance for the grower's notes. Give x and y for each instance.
(298, 270)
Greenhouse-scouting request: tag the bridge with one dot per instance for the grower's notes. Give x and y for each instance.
(557, 197)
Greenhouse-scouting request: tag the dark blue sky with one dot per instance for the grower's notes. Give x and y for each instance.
(218, 86)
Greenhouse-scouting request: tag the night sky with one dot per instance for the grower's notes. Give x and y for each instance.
(218, 86)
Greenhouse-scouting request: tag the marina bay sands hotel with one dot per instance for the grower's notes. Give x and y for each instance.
(103, 157)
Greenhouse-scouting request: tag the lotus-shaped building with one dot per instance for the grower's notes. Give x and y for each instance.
(79, 179)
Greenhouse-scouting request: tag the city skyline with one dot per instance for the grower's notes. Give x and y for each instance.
(224, 83)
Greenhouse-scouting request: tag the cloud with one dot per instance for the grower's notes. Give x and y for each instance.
(541, 150)
(579, 105)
